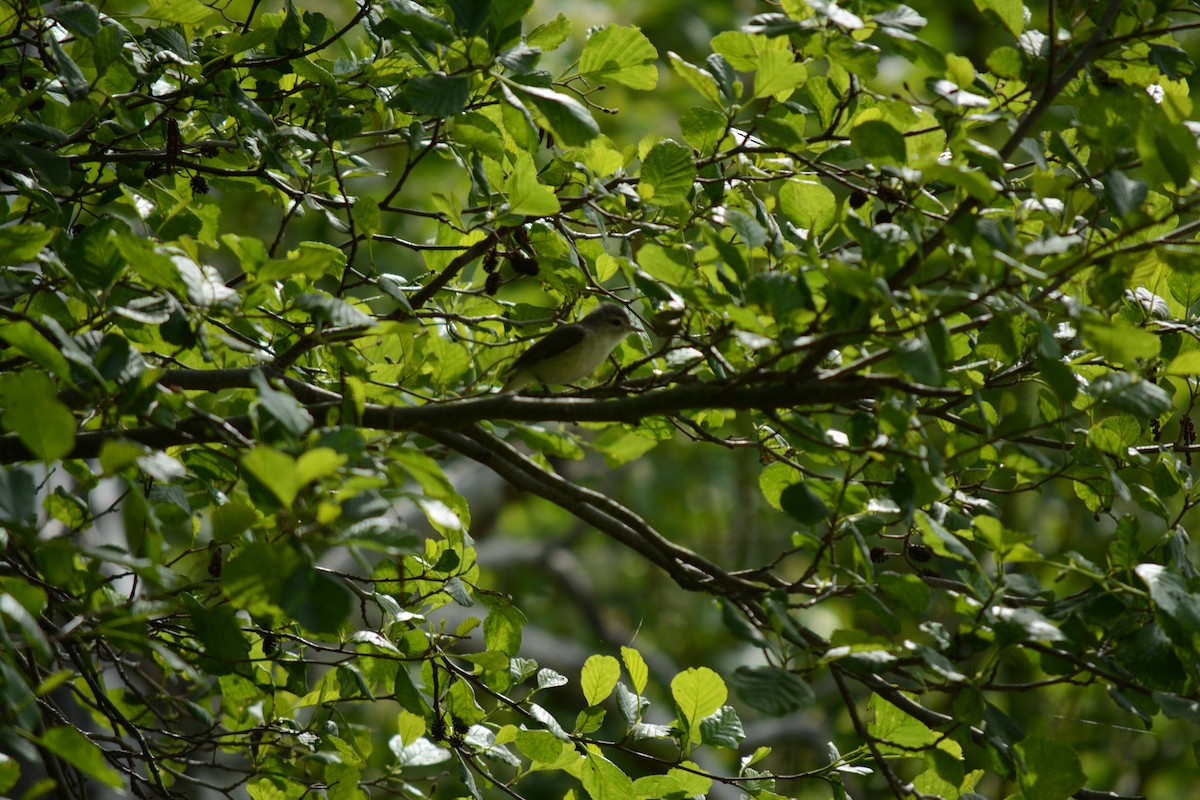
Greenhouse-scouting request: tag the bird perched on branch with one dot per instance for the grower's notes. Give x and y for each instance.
(571, 352)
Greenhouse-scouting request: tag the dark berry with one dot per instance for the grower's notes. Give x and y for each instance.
(438, 731)
(919, 552)
(883, 217)
(523, 264)
(492, 284)
(858, 198)
(879, 554)
(199, 185)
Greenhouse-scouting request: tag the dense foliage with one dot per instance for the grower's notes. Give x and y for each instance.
(900, 457)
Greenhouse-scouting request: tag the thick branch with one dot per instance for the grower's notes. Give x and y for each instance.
(689, 569)
(504, 407)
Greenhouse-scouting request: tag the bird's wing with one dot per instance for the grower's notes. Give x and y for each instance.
(553, 343)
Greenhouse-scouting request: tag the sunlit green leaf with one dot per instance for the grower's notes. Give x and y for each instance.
(667, 174)
(599, 678)
(621, 55)
(698, 692)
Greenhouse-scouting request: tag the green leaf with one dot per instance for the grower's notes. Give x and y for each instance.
(876, 140)
(1005, 62)
(230, 520)
(698, 692)
(1049, 769)
(599, 678)
(421, 753)
(941, 541)
(1010, 12)
(722, 728)
(413, 18)
(502, 628)
(699, 79)
(667, 174)
(1115, 435)
(1172, 596)
(909, 591)
(1120, 343)
(226, 646)
(244, 108)
(635, 665)
(1175, 707)
(803, 505)
(1023, 625)
(525, 194)
(540, 746)
(782, 293)
(81, 19)
(1185, 364)
(274, 470)
(973, 181)
(17, 496)
(1128, 392)
(316, 600)
(604, 780)
(10, 772)
(772, 690)
(743, 50)
(34, 413)
(704, 129)
(659, 786)
(747, 228)
(808, 205)
(778, 75)
(571, 123)
(23, 241)
(69, 75)
(26, 622)
(185, 12)
(1125, 194)
(119, 454)
(549, 35)
(505, 13)
(621, 55)
(518, 122)
(897, 728)
(332, 310)
(1149, 652)
(438, 94)
(36, 347)
(80, 752)
(286, 410)
(291, 34)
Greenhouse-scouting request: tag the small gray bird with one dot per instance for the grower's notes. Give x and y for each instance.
(571, 352)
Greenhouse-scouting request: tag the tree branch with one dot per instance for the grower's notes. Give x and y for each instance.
(500, 407)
